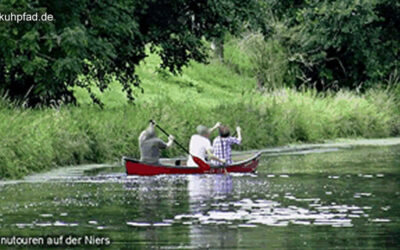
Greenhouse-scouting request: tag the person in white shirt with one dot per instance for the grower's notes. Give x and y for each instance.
(200, 145)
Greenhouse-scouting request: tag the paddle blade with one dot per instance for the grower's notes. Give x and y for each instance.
(202, 164)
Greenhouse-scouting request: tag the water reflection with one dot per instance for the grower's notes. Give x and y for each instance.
(210, 204)
(203, 191)
(204, 187)
(280, 208)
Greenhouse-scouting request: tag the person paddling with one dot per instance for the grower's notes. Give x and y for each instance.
(150, 145)
(222, 145)
(200, 145)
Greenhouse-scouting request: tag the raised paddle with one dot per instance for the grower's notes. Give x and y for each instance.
(197, 160)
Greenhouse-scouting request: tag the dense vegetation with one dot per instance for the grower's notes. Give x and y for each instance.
(39, 139)
(40, 61)
(332, 44)
(286, 71)
(324, 44)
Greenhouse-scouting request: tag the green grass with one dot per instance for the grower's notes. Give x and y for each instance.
(40, 139)
(208, 85)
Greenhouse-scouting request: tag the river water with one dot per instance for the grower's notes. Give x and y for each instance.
(315, 199)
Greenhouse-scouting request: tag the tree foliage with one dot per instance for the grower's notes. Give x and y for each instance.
(40, 61)
(338, 43)
(269, 62)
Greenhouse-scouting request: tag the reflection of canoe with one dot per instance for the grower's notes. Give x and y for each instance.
(242, 164)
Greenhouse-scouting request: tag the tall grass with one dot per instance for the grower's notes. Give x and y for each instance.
(36, 140)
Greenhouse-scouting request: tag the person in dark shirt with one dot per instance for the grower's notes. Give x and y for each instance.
(150, 145)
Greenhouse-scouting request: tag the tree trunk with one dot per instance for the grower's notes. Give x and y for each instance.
(260, 82)
(217, 45)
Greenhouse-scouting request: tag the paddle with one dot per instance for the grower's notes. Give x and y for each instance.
(197, 160)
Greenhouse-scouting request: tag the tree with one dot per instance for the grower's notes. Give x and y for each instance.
(268, 60)
(41, 61)
(339, 43)
(349, 43)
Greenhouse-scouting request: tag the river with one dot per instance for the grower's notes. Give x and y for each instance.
(335, 197)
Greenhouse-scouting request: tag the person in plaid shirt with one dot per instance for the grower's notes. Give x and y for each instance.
(223, 143)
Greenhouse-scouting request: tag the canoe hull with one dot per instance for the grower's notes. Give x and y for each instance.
(135, 167)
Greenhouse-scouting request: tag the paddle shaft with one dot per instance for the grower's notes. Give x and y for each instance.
(167, 134)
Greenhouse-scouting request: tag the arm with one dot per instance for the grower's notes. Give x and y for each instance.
(239, 132)
(142, 136)
(217, 125)
(213, 157)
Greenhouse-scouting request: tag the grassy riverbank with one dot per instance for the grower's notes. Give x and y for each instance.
(36, 140)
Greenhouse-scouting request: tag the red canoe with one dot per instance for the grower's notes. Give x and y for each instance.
(169, 166)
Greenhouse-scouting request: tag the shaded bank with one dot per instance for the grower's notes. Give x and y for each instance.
(36, 140)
